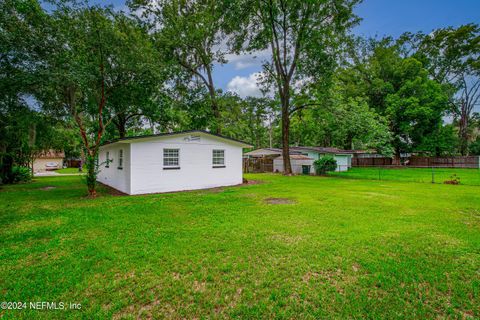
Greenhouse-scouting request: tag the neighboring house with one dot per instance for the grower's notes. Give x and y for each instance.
(168, 162)
(300, 164)
(343, 157)
(366, 154)
(266, 153)
(48, 160)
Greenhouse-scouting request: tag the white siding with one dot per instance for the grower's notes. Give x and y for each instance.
(343, 162)
(196, 169)
(296, 165)
(112, 176)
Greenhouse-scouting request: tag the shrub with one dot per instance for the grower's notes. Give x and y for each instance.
(324, 165)
(454, 179)
(21, 174)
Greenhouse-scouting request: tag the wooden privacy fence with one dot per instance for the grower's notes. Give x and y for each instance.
(438, 162)
(445, 162)
(371, 162)
(257, 165)
(72, 163)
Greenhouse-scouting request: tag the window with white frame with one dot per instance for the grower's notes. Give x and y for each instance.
(171, 158)
(120, 159)
(107, 160)
(218, 158)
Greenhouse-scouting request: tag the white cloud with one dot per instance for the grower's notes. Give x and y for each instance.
(246, 86)
(247, 60)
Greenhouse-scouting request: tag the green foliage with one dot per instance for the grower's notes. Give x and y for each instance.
(400, 90)
(19, 175)
(92, 173)
(342, 122)
(190, 34)
(452, 57)
(443, 141)
(304, 39)
(324, 165)
(251, 119)
(474, 147)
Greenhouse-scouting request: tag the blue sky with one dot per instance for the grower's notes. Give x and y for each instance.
(380, 18)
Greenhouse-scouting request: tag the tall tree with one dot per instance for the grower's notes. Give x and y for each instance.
(452, 55)
(249, 119)
(89, 63)
(22, 43)
(191, 34)
(136, 78)
(400, 89)
(303, 37)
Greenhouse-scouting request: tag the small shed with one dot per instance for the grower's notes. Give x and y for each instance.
(48, 160)
(300, 164)
(166, 162)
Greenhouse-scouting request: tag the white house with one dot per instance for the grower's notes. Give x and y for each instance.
(167, 162)
(343, 157)
(300, 164)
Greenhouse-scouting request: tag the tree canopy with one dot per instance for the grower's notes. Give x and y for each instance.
(87, 73)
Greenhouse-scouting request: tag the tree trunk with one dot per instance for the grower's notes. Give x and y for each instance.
(397, 158)
(284, 97)
(270, 135)
(91, 174)
(463, 132)
(213, 98)
(121, 124)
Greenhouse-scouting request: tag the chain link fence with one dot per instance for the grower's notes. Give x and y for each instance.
(432, 175)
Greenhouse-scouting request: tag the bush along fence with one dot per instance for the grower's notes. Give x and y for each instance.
(472, 162)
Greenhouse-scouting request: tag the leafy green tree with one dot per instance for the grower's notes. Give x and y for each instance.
(191, 34)
(303, 37)
(250, 119)
(136, 76)
(87, 65)
(343, 122)
(452, 56)
(475, 147)
(444, 142)
(21, 131)
(400, 89)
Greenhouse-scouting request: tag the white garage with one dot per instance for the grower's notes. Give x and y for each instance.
(300, 164)
(168, 162)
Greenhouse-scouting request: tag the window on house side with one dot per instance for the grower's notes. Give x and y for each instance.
(171, 158)
(120, 159)
(107, 160)
(218, 158)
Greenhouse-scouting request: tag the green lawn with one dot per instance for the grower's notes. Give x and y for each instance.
(69, 170)
(467, 176)
(345, 248)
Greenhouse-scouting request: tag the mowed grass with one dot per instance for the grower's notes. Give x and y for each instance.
(70, 171)
(343, 249)
(424, 175)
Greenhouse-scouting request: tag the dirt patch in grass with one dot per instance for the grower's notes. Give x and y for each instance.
(215, 190)
(250, 182)
(279, 201)
(286, 239)
(48, 188)
(199, 286)
(110, 190)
